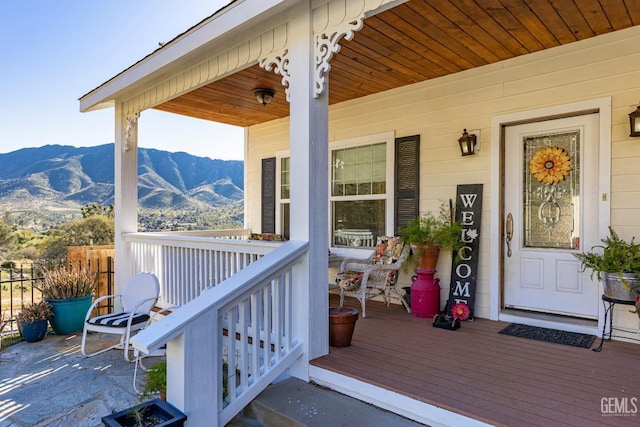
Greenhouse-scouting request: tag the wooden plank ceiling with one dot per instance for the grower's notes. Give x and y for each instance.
(417, 41)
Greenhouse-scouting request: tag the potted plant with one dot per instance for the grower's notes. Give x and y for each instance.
(155, 412)
(33, 319)
(70, 293)
(617, 264)
(428, 233)
(151, 413)
(342, 323)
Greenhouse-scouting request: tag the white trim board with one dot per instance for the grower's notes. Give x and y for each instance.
(600, 105)
(386, 399)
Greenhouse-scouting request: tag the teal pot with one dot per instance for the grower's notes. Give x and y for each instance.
(68, 314)
(33, 331)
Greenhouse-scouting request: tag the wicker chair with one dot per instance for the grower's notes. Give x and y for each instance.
(377, 275)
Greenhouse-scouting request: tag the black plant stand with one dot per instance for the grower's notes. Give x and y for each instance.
(608, 303)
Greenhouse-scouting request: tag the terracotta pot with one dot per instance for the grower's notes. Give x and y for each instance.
(428, 255)
(342, 322)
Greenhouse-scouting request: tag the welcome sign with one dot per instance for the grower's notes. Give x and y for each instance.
(465, 266)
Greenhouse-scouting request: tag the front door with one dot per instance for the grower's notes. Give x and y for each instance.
(551, 212)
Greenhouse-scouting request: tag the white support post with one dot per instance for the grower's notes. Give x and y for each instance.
(192, 380)
(126, 191)
(309, 193)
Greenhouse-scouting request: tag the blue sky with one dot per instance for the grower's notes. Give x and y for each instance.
(54, 51)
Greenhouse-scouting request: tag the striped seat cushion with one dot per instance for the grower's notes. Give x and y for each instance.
(118, 320)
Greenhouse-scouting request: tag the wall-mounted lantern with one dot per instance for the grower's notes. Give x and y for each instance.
(467, 143)
(634, 122)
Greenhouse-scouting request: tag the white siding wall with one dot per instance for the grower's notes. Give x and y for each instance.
(264, 141)
(438, 110)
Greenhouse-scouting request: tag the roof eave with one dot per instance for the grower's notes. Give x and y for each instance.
(222, 24)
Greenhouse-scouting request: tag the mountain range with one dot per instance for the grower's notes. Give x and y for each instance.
(65, 177)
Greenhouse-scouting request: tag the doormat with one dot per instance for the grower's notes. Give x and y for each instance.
(549, 335)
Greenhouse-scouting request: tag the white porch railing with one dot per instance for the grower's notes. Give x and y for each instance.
(187, 263)
(241, 329)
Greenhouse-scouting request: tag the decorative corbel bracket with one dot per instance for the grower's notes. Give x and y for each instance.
(278, 62)
(327, 45)
(130, 124)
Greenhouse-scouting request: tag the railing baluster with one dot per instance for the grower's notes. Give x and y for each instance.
(257, 331)
(250, 318)
(268, 327)
(231, 353)
(244, 345)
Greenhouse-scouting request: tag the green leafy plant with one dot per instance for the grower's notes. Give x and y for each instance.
(36, 311)
(155, 380)
(615, 256)
(68, 283)
(434, 229)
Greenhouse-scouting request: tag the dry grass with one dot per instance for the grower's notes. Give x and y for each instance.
(66, 283)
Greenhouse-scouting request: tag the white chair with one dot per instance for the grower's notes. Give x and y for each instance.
(138, 297)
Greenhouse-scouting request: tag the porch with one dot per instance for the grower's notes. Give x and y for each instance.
(481, 374)
(397, 362)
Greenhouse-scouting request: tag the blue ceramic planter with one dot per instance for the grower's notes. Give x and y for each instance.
(33, 331)
(68, 314)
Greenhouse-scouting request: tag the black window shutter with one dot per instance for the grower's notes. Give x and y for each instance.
(407, 181)
(268, 195)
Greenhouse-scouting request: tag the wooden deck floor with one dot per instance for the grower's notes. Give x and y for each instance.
(498, 379)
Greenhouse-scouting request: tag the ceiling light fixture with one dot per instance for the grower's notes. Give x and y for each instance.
(264, 95)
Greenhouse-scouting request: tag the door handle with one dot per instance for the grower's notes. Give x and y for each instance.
(509, 232)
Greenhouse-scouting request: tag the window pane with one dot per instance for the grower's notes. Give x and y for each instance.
(285, 220)
(552, 190)
(359, 170)
(364, 189)
(285, 179)
(358, 222)
(379, 152)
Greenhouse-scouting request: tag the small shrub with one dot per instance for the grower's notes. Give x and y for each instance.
(68, 283)
(36, 311)
(8, 264)
(155, 380)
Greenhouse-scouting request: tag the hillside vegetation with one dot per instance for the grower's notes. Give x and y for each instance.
(41, 188)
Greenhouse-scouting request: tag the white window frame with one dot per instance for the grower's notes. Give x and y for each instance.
(389, 139)
(280, 201)
(386, 137)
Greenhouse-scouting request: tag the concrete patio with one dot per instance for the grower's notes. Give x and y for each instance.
(50, 383)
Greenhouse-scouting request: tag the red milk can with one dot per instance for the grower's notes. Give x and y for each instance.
(425, 294)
